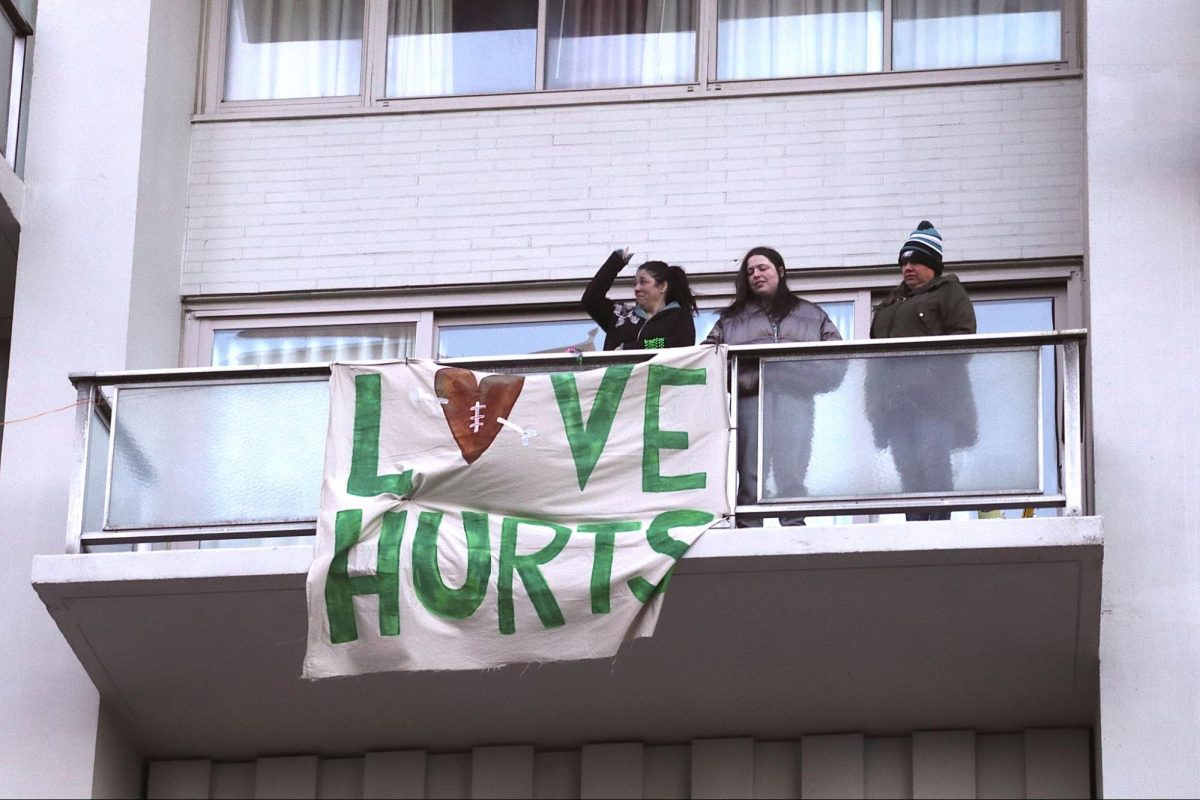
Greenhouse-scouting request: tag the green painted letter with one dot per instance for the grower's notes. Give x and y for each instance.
(341, 588)
(606, 536)
(658, 538)
(527, 567)
(587, 442)
(365, 480)
(655, 440)
(427, 576)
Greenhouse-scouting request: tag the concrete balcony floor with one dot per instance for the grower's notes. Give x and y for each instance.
(773, 633)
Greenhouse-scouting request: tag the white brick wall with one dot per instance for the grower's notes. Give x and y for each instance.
(830, 179)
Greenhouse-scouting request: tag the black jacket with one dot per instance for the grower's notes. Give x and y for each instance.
(626, 326)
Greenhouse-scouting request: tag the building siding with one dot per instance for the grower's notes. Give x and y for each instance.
(521, 194)
(1043, 763)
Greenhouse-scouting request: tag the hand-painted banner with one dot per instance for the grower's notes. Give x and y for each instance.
(471, 520)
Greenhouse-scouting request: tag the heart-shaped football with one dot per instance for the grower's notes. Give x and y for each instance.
(474, 406)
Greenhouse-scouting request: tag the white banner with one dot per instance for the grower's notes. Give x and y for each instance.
(471, 520)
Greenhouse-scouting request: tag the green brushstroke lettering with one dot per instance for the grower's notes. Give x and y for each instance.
(655, 440)
(341, 589)
(587, 441)
(606, 536)
(663, 543)
(527, 566)
(365, 480)
(431, 590)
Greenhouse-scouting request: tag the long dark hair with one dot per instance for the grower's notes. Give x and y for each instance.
(780, 305)
(678, 290)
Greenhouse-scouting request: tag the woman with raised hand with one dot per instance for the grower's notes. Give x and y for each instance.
(663, 314)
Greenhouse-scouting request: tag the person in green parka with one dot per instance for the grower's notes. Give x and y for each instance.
(922, 406)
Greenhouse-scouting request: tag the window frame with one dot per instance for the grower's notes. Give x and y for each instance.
(372, 99)
(435, 307)
(22, 28)
(201, 325)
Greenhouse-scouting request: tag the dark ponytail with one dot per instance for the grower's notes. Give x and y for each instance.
(678, 290)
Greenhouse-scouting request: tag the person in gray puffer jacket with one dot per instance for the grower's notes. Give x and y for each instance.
(764, 310)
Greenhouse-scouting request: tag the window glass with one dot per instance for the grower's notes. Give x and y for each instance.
(440, 47)
(299, 345)
(8, 42)
(280, 49)
(937, 34)
(791, 38)
(1024, 315)
(842, 315)
(594, 43)
(519, 338)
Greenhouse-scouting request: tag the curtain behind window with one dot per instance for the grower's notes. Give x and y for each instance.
(596, 43)
(444, 47)
(279, 49)
(794, 38)
(420, 56)
(262, 346)
(939, 34)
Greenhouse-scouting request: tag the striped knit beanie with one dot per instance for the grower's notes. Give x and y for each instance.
(924, 246)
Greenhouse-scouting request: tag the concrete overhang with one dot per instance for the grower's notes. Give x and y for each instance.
(991, 625)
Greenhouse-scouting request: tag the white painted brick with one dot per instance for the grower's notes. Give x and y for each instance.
(359, 202)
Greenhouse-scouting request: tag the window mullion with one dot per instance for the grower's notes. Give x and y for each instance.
(213, 91)
(1069, 14)
(539, 79)
(887, 35)
(706, 44)
(375, 52)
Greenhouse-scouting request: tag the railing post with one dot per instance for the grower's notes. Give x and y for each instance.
(1072, 461)
(731, 462)
(85, 403)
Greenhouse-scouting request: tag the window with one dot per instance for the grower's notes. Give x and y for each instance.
(439, 47)
(282, 49)
(244, 336)
(596, 43)
(14, 30)
(258, 346)
(937, 34)
(398, 53)
(795, 38)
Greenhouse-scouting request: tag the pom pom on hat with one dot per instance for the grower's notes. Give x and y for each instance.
(924, 245)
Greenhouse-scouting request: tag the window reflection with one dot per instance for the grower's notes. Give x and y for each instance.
(439, 47)
(938, 34)
(595, 43)
(795, 38)
(280, 49)
(312, 344)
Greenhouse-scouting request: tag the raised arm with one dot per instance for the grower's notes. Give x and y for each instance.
(595, 297)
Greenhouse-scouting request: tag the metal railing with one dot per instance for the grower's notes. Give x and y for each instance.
(850, 428)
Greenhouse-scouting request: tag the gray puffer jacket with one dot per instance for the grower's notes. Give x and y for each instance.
(807, 322)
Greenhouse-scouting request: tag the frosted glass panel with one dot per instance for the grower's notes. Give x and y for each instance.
(930, 424)
(212, 455)
(95, 472)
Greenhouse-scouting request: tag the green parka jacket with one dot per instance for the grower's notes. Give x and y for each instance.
(899, 387)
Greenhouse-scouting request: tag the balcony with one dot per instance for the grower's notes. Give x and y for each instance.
(182, 592)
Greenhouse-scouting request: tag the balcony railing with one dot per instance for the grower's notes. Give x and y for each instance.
(853, 428)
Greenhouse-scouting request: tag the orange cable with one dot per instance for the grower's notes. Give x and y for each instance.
(43, 413)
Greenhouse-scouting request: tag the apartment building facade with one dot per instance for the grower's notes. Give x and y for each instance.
(202, 185)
